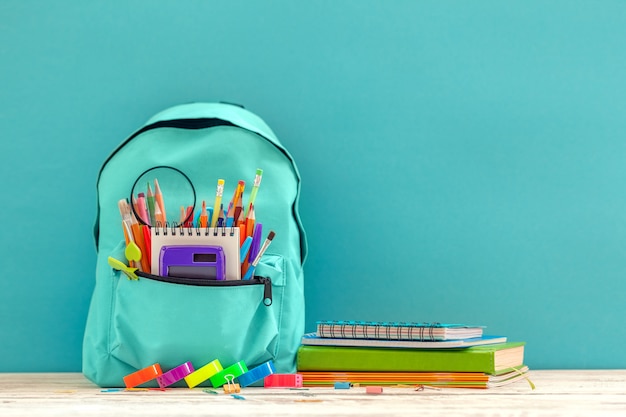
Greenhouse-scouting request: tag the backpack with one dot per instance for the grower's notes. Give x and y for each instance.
(133, 324)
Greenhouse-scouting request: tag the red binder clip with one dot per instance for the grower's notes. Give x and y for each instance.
(283, 381)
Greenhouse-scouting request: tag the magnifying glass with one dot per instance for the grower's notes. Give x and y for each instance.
(163, 196)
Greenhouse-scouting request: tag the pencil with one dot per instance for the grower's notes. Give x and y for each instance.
(255, 188)
(218, 201)
(159, 199)
(151, 210)
(203, 215)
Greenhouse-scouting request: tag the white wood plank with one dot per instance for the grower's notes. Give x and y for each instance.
(557, 393)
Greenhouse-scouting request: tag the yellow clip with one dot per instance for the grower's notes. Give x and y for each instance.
(121, 266)
(231, 387)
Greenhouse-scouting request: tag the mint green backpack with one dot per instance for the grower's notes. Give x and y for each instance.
(133, 324)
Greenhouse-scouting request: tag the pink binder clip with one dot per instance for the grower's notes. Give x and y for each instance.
(283, 381)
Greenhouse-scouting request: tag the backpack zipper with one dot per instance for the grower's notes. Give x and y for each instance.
(266, 282)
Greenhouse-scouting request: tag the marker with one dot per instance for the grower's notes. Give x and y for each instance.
(255, 188)
(159, 199)
(253, 265)
(218, 201)
(256, 241)
(245, 247)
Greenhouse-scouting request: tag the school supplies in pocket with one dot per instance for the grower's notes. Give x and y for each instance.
(189, 303)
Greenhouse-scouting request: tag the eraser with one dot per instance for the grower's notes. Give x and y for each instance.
(374, 389)
(342, 385)
(142, 376)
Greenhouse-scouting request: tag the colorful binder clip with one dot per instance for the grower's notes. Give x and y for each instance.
(257, 374)
(207, 371)
(175, 375)
(142, 376)
(283, 381)
(228, 374)
(231, 387)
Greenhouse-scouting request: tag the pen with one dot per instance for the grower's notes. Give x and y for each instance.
(245, 247)
(255, 188)
(253, 265)
(218, 201)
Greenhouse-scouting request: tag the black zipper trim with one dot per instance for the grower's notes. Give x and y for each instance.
(193, 124)
(266, 282)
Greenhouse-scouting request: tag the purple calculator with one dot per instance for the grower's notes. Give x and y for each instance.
(193, 261)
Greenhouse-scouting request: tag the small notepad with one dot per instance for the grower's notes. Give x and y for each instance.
(396, 330)
(226, 237)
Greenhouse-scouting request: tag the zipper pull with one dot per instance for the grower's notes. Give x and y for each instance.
(267, 291)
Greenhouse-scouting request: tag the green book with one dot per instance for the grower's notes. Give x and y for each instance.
(490, 359)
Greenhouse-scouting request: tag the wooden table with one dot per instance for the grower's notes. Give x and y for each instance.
(558, 393)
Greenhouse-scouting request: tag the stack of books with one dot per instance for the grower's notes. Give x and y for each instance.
(384, 353)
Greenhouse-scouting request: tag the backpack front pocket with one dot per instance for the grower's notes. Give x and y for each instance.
(156, 320)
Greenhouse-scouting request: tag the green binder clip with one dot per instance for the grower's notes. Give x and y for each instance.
(121, 266)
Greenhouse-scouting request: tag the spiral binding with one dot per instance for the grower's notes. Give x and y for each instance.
(180, 229)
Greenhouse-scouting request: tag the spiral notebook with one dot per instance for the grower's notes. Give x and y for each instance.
(225, 237)
(396, 330)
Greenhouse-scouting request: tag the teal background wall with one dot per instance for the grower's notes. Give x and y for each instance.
(461, 161)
